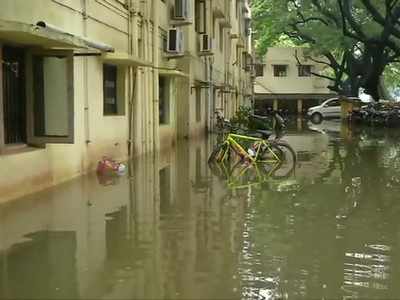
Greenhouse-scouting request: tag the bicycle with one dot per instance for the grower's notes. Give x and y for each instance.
(255, 145)
(253, 149)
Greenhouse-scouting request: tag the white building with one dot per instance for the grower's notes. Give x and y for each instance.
(285, 80)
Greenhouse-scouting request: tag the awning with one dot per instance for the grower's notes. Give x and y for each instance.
(172, 73)
(46, 36)
(119, 58)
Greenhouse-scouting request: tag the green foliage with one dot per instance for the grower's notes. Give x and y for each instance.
(241, 118)
(358, 37)
(392, 80)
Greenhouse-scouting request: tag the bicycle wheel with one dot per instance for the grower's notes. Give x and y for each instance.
(287, 163)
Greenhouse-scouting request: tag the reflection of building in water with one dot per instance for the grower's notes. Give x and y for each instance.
(315, 156)
(167, 230)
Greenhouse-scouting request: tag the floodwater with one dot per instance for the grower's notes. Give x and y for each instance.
(173, 229)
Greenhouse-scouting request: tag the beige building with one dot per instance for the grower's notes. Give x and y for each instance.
(81, 79)
(284, 80)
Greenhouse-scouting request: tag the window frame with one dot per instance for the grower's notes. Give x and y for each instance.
(4, 146)
(2, 135)
(200, 16)
(164, 100)
(120, 90)
(221, 38)
(278, 73)
(336, 103)
(257, 68)
(32, 138)
(198, 106)
(106, 111)
(301, 70)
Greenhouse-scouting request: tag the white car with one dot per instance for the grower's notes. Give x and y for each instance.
(328, 109)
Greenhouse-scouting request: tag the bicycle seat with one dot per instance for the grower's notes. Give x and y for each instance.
(264, 133)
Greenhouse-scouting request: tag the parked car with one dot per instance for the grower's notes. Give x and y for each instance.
(328, 109)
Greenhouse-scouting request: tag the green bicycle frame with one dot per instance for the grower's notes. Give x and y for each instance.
(234, 181)
(232, 143)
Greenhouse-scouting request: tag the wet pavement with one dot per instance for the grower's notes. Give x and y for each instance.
(172, 228)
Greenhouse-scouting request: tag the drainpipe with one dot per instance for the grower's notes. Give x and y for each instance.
(86, 88)
(131, 85)
(156, 40)
(211, 93)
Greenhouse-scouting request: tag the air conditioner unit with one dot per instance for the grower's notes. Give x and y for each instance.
(182, 9)
(206, 43)
(175, 41)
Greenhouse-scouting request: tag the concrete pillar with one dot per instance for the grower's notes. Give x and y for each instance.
(299, 124)
(299, 106)
(275, 104)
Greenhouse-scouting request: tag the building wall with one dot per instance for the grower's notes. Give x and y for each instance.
(292, 83)
(135, 28)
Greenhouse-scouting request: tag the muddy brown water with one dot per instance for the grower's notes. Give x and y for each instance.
(171, 228)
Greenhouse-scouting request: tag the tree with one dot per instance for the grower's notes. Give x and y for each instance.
(358, 38)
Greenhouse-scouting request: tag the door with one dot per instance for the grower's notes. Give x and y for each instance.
(332, 109)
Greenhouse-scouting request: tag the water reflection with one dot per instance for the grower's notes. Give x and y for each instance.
(337, 238)
(166, 230)
(172, 228)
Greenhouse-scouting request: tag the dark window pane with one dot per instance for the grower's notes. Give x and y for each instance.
(280, 70)
(163, 102)
(110, 89)
(304, 71)
(198, 105)
(14, 102)
(259, 70)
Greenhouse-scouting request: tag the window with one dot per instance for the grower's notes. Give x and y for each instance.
(247, 25)
(198, 104)
(333, 103)
(110, 89)
(304, 70)
(37, 96)
(14, 101)
(113, 90)
(244, 60)
(163, 102)
(259, 68)
(280, 70)
(221, 38)
(163, 40)
(50, 101)
(200, 16)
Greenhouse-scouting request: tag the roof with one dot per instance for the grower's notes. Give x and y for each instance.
(46, 36)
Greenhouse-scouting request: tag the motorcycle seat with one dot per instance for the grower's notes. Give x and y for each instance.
(264, 133)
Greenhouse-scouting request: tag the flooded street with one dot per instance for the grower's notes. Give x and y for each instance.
(172, 228)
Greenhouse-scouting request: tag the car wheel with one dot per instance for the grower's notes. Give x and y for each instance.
(316, 118)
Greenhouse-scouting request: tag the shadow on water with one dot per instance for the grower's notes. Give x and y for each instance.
(172, 228)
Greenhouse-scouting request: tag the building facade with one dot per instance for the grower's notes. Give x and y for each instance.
(284, 80)
(83, 79)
